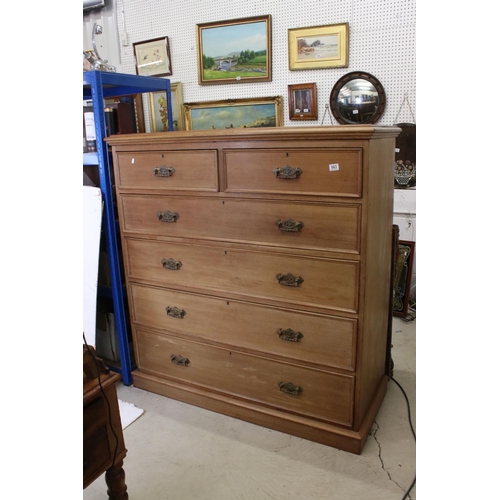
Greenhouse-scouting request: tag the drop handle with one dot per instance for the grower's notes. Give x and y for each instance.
(290, 388)
(168, 216)
(173, 265)
(289, 225)
(289, 279)
(289, 335)
(164, 171)
(287, 172)
(179, 360)
(175, 312)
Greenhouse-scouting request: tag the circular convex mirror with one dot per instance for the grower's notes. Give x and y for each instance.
(357, 98)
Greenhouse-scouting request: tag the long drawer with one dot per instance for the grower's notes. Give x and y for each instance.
(330, 227)
(327, 172)
(169, 170)
(267, 277)
(310, 392)
(311, 338)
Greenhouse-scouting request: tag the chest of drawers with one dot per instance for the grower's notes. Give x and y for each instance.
(258, 265)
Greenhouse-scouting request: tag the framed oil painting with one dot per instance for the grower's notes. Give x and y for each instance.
(402, 277)
(234, 113)
(152, 57)
(235, 51)
(318, 47)
(157, 102)
(302, 101)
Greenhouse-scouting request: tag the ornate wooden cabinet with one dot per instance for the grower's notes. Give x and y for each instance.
(258, 267)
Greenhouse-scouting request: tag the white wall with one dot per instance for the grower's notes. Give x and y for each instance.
(381, 36)
(382, 41)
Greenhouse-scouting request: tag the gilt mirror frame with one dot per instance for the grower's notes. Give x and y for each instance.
(339, 86)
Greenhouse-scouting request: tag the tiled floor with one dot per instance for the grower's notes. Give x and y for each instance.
(181, 452)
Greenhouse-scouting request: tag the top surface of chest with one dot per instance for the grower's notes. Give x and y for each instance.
(312, 161)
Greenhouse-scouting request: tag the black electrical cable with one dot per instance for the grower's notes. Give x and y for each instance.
(412, 430)
(105, 398)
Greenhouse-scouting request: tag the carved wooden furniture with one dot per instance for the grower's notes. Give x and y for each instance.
(258, 266)
(103, 444)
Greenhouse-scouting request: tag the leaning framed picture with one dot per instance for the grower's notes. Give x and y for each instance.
(152, 57)
(302, 101)
(234, 113)
(234, 51)
(318, 47)
(403, 269)
(158, 110)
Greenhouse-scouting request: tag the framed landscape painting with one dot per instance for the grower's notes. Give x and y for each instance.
(318, 47)
(234, 51)
(234, 113)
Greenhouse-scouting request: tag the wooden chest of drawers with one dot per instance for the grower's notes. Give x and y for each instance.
(258, 272)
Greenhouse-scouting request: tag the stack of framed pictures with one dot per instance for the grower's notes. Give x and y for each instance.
(402, 277)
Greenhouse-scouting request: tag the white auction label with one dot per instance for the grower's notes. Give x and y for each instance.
(333, 166)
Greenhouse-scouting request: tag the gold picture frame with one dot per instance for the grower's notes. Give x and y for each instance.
(234, 113)
(302, 101)
(157, 103)
(318, 47)
(235, 51)
(152, 57)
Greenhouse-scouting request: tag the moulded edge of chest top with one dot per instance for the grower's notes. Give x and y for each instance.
(325, 133)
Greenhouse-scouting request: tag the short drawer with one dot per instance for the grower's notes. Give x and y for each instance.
(169, 170)
(266, 277)
(304, 391)
(310, 338)
(320, 172)
(319, 226)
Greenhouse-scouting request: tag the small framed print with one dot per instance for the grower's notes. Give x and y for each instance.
(152, 57)
(158, 112)
(302, 102)
(318, 47)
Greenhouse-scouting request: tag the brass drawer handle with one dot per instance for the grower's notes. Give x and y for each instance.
(287, 172)
(163, 171)
(175, 312)
(172, 264)
(289, 388)
(289, 225)
(289, 335)
(179, 360)
(289, 279)
(168, 216)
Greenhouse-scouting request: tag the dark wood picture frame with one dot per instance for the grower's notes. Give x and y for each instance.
(128, 122)
(302, 101)
(152, 57)
(402, 277)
